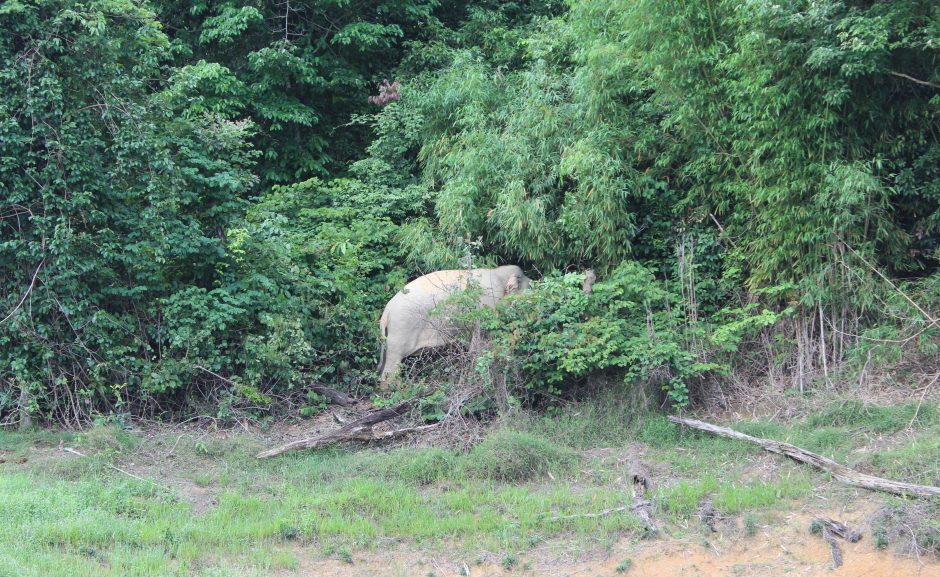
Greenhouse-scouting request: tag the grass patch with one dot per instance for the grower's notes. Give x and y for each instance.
(94, 521)
(107, 438)
(855, 414)
(611, 418)
(513, 456)
(730, 497)
(67, 515)
(16, 441)
(917, 462)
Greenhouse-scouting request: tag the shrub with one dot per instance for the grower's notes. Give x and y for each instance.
(557, 334)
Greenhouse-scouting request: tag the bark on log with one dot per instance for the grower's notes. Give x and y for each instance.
(840, 529)
(338, 397)
(358, 430)
(834, 548)
(839, 471)
(831, 529)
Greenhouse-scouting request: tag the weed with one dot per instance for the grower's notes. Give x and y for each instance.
(288, 532)
(509, 561)
(659, 432)
(750, 524)
(285, 560)
(730, 498)
(918, 462)
(881, 537)
(202, 479)
(345, 555)
(624, 566)
(421, 466)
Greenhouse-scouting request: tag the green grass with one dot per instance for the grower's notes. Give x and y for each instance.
(94, 521)
(76, 516)
(856, 415)
(509, 455)
(22, 440)
(916, 462)
(730, 498)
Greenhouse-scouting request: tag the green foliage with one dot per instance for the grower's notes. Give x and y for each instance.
(557, 333)
(320, 251)
(297, 70)
(116, 205)
(199, 200)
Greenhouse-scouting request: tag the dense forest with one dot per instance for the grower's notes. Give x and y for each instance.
(205, 205)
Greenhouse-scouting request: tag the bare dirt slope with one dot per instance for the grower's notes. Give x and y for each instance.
(786, 548)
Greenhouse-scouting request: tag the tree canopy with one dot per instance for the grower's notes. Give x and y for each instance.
(209, 203)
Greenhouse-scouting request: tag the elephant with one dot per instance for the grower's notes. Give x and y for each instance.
(407, 326)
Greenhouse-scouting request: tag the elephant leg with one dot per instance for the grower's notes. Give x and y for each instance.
(393, 357)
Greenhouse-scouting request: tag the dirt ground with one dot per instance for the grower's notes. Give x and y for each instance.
(784, 548)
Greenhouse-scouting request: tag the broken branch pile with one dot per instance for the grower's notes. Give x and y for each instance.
(358, 430)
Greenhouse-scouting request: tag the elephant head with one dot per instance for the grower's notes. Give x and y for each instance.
(407, 326)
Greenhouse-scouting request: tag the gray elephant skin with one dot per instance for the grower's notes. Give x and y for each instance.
(407, 325)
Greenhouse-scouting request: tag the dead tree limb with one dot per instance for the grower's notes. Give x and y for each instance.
(914, 80)
(831, 529)
(337, 397)
(834, 548)
(358, 430)
(839, 529)
(840, 472)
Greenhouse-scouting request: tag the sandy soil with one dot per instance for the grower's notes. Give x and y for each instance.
(784, 548)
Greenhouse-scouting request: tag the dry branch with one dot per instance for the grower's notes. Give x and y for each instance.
(358, 430)
(914, 80)
(839, 529)
(337, 397)
(834, 548)
(840, 472)
(831, 529)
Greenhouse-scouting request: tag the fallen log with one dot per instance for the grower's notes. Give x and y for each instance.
(358, 430)
(839, 471)
(337, 397)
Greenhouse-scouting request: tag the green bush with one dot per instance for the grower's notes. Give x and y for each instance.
(556, 334)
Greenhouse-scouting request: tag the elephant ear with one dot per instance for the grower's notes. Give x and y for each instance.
(512, 285)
